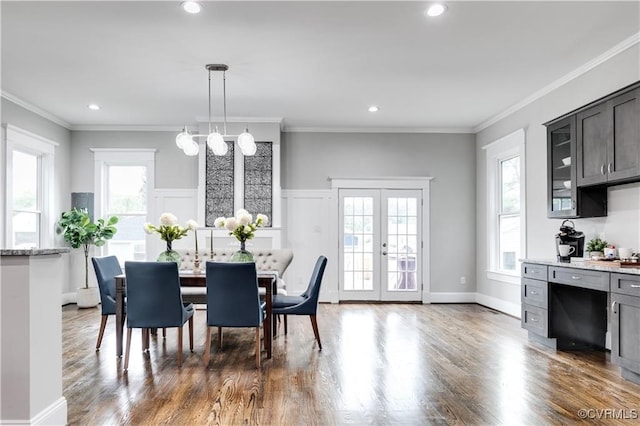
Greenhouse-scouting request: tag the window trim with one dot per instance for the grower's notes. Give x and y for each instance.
(509, 146)
(18, 139)
(104, 157)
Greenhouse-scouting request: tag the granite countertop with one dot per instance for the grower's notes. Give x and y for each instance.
(33, 252)
(583, 265)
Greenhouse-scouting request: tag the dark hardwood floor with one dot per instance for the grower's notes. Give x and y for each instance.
(380, 364)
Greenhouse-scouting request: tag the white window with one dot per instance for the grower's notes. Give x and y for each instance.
(124, 187)
(506, 222)
(29, 165)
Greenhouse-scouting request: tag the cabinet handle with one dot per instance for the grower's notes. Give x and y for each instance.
(613, 307)
(575, 277)
(602, 170)
(573, 204)
(610, 168)
(634, 286)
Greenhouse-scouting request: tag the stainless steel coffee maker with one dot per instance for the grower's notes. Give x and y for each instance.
(568, 236)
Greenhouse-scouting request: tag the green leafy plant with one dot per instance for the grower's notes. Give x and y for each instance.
(79, 231)
(596, 244)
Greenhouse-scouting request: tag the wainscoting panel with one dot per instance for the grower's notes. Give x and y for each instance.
(180, 202)
(309, 232)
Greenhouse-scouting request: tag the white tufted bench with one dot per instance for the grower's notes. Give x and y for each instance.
(266, 260)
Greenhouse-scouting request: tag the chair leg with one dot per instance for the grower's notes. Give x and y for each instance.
(126, 353)
(207, 347)
(144, 336)
(258, 347)
(103, 324)
(314, 324)
(180, 346)
(191, 334)
(220, 338)
(285, 323)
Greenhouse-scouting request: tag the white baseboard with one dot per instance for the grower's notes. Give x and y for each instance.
(453, 297)
(68, 298)
(54, 414)
(508, 308)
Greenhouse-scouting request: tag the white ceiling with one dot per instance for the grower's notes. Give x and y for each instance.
(316, 65)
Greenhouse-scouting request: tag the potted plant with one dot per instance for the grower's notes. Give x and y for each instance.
(79, 231)
(596, 247)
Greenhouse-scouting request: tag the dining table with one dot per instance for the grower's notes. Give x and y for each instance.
(189, 280)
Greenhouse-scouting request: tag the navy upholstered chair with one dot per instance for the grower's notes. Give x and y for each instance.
(233, 301)
(154, 301)
(106, 269)
(306, 303)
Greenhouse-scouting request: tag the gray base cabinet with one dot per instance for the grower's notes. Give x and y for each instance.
(566, 308)
(625, 321)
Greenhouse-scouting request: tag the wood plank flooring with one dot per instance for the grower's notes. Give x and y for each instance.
(380, 365)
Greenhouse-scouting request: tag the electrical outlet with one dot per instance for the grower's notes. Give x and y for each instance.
(463, 280)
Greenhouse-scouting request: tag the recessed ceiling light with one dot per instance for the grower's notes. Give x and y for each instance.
(191, 6)
(436, 10)
(93, 107)
(374, 108)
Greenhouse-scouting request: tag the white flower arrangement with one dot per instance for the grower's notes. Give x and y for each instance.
(241, 226)
(169, 229)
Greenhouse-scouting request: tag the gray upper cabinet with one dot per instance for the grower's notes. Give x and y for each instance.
(608, 140)
(590, 149)
(564, 198)
(624, 144)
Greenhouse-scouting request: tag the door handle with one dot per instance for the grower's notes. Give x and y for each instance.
(384, 253)
(613, 307)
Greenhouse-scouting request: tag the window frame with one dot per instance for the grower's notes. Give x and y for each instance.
(104, 158)
(44, 149)
(505, 148)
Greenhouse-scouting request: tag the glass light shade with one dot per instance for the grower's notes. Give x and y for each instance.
(191, 148)
(183, 139)
(214, 139)
(191, 7)
(245, 140)
(220, 148)
(248, 149)
(217, 144)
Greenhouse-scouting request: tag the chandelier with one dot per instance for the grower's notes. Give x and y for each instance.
(215, 140)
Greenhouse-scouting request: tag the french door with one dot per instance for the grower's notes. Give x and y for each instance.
(380, 244)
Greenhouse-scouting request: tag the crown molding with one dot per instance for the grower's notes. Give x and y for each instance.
(615, 50)
(128, 128)
(249, 120)
(378, 130)
(36, 110)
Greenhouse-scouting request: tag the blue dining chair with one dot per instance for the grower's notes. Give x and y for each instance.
(306, 303)
(106, 269)
(154, 301)
(233, 301)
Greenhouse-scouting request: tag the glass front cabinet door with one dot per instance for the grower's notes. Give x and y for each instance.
(561, 174)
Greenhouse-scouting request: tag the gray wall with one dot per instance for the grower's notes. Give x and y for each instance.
(173, 168)
(308, 159)
(17, 116)
(622, 223)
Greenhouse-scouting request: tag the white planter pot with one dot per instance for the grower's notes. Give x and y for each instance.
(88, 297)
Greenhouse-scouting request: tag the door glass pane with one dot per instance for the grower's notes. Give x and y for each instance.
(402, 239)
(127, 199)
(358, 243)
